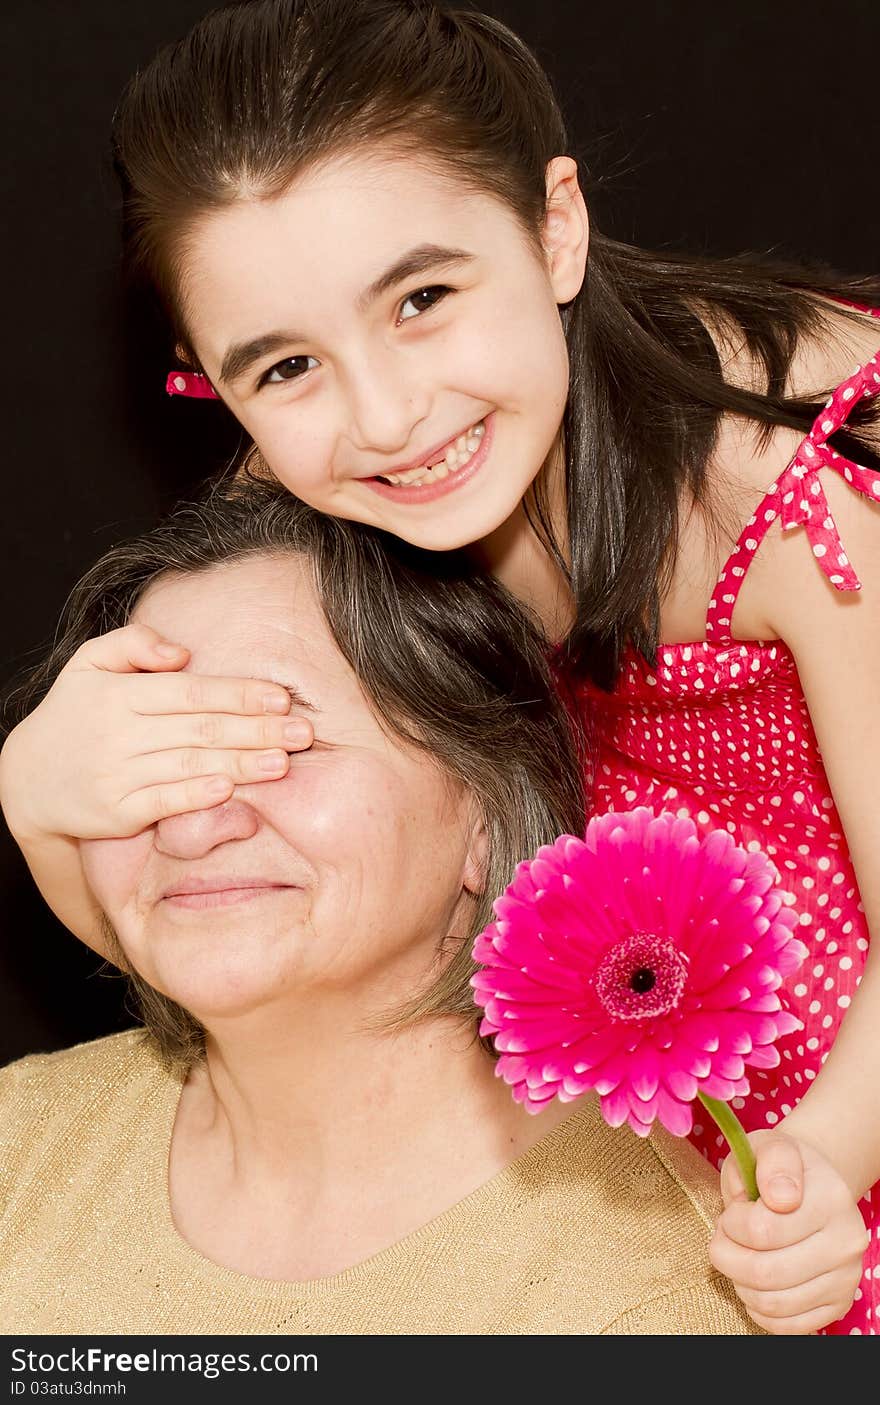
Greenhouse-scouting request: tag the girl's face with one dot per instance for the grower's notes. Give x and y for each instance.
(390, 340)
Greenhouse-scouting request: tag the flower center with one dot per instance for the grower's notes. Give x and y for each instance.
(642, 980)
(641, 977)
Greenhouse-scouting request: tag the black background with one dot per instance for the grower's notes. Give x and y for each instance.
(710, 127)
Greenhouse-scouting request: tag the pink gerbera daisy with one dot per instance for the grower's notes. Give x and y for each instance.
(643, 962)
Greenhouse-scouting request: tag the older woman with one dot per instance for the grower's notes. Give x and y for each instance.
(309, 1137)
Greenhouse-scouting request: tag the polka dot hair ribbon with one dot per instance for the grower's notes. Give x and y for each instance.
(190, 383)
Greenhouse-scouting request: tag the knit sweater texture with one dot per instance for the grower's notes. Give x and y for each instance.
(592, 1231)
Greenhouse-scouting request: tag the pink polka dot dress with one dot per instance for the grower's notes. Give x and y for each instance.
(719, 730)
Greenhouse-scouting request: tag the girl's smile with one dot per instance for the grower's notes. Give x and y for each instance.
(429, 366)
(436, 476)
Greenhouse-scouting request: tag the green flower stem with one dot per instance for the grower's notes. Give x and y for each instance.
(737, 1140)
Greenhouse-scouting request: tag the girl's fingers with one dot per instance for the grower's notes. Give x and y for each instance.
(162, 768)
(139, 649)
(732, 1184)
(787, 1267)
(129, 650)
(798, 1326)
(779, 1270)
(142, 808)
(825, 1293)
(193, 693)
(779, 1172)
(774, 1269)
(221, 731)
(754, 1225)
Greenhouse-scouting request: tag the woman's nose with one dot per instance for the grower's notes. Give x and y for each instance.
(195, 833)
(385, 405)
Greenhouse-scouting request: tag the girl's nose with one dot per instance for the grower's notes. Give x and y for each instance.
(385, 406)
(195, 833)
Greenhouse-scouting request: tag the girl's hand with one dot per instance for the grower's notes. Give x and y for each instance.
(795, 1255)
(123, 739)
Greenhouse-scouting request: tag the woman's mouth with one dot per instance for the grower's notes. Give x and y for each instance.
(458, 463)
(195, 892)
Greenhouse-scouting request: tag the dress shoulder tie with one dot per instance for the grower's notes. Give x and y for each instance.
(798, 499)
(802, 497)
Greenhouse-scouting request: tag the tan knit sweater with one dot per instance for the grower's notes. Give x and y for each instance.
(592, 1231)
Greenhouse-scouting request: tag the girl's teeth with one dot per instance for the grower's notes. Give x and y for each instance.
(457, 456)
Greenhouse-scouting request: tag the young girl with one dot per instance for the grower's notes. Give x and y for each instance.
(373, 250)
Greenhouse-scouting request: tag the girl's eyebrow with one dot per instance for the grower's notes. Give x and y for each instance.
(241, 355)
(411, 265)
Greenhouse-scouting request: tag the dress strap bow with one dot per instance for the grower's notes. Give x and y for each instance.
(802, 500)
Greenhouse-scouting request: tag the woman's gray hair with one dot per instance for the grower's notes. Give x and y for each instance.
(449, 662)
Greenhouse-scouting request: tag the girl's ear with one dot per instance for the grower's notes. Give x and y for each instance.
(565, 234)
(186, 357)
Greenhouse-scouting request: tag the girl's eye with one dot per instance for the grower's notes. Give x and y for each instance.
(422, 301)
(290, 369)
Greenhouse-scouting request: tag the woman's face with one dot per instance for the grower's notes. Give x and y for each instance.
(342, 878)
(390, 340)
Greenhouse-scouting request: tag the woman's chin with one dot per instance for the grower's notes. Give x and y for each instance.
(212, 1001)
(224, 980)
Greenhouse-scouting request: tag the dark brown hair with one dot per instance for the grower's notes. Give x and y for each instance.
(257, 92)
(447, 659)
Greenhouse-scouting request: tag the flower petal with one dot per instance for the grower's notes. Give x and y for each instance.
(676, 1116)
(615, 1107)
(644, 1071)
(681, 1084)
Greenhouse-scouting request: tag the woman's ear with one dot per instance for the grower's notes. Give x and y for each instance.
(477, 860)
(565, 233)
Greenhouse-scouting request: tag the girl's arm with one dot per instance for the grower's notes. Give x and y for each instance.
(835, 639)
(123, 739)
(798, 1268)
(56, 869)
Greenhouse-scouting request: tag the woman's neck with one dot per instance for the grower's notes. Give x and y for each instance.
(331, 1094)
(297, 1152)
